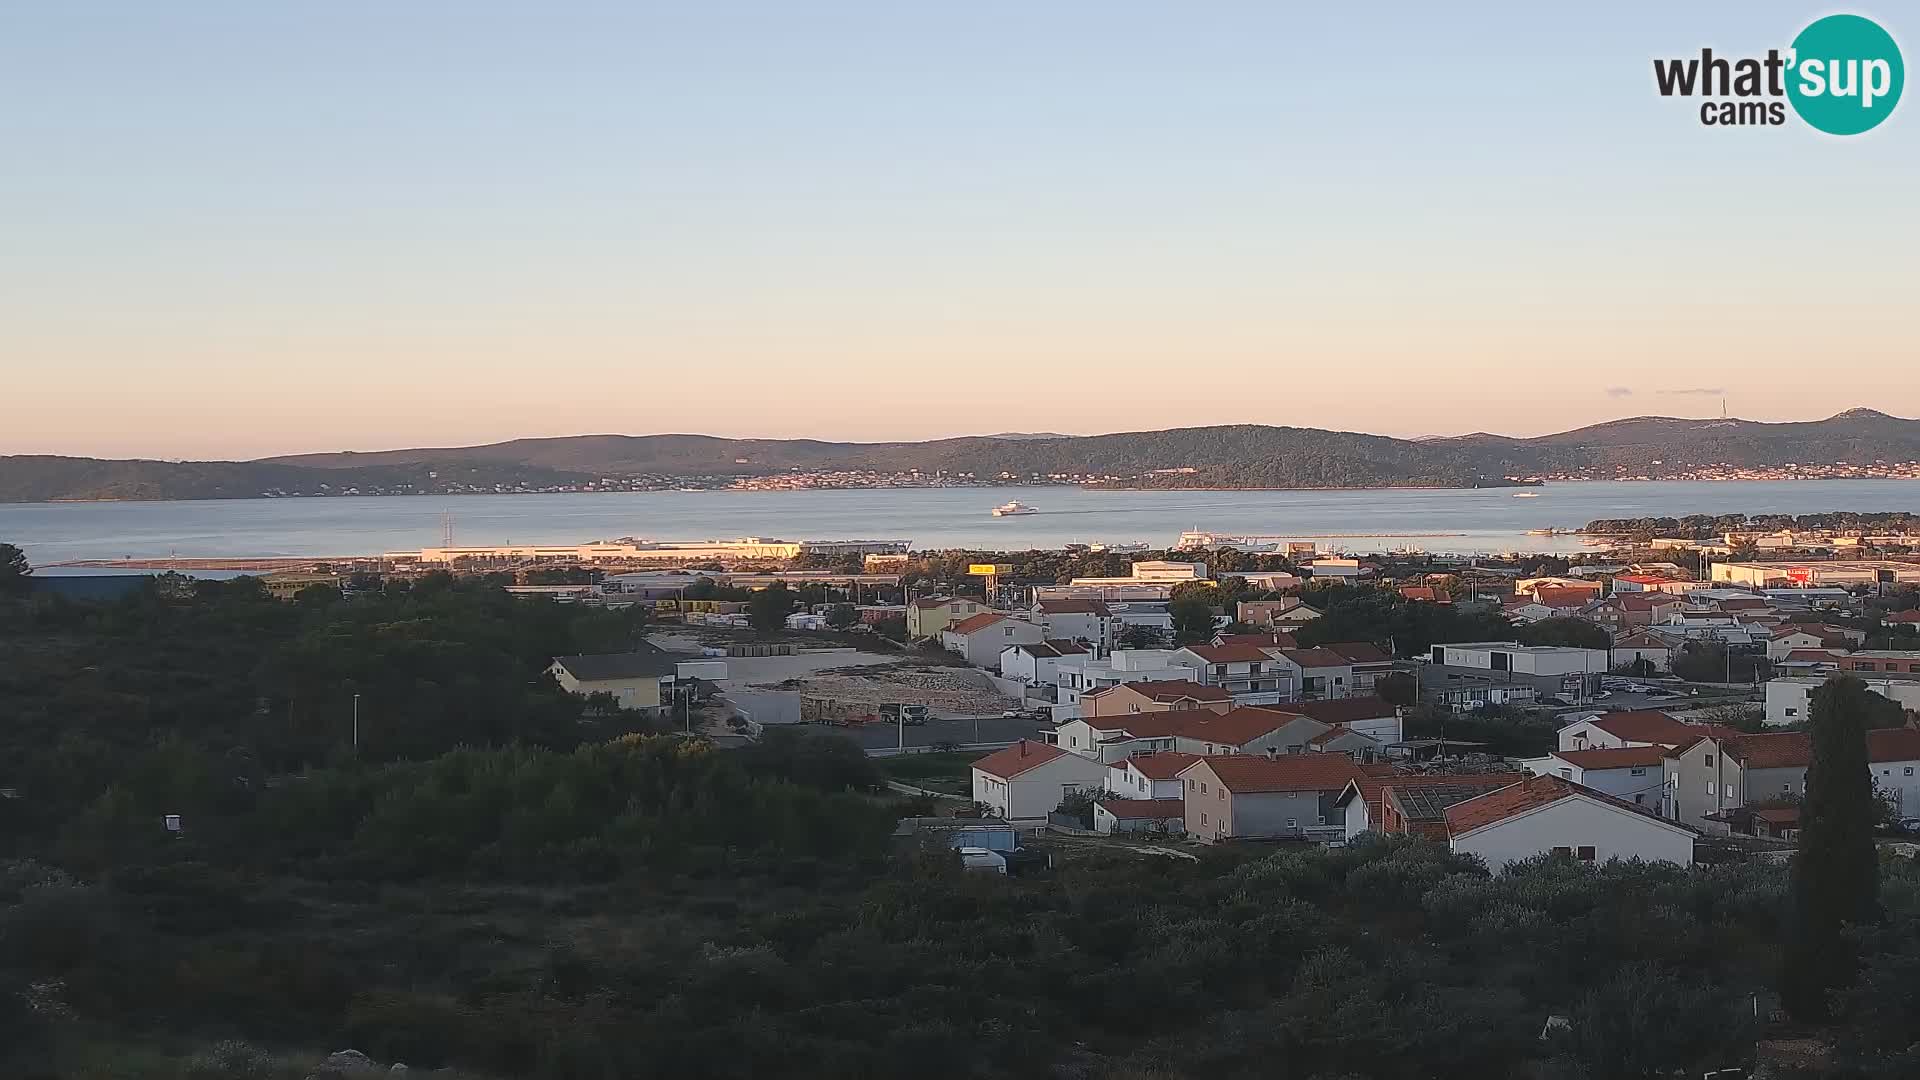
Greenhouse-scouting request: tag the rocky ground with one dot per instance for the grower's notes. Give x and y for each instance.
(947, 691)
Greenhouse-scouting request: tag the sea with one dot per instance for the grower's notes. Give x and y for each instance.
(1474, 520)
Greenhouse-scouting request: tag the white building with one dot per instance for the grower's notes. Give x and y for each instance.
(1087, 621)
(1035, 663)
(1551, 815)
(981, 639)
(1027, 781)
(1636, 774)
(1077, 676)
(1521, 659)
(1334, 568)
(1149, 776)
(1790, 698)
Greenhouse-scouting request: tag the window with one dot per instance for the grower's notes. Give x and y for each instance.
(1709, 758)
(1908, 771)
(1293, 823)
(1637, 772)
(1793, 712)
(1223, 795)
(1191, 783)
(1709, 787)
(1586, 853)
(1563, 851)
(1203, 819)
(1566, 774)
(1639, 800)
(1203, 787)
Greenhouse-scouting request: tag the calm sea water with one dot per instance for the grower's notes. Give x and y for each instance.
(1473, 520)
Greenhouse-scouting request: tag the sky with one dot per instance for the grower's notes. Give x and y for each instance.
(231, 229)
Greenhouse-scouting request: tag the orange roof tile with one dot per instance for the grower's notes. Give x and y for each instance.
(1637, 757)
(1531, 794)
(1358, 652)
(1245, 774)
(975, 622)
(1021, 757)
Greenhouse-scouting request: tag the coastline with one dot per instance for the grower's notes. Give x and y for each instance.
(1028, 485)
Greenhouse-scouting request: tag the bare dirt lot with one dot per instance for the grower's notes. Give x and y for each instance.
(945, 691)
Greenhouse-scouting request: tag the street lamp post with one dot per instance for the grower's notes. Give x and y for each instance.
(356, 723)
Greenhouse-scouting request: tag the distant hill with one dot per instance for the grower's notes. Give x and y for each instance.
(1245, 455)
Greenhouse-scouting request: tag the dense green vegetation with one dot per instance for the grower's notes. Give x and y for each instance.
(508, 882)
(1384, 617)
(1707, 526)
(1836, 876)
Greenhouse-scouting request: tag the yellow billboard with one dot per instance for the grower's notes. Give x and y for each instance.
(988, 569)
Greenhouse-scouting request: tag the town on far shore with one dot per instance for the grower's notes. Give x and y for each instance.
(1649, 696)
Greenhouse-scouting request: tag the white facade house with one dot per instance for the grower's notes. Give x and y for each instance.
(1026, 781)
(1612, 731)
(1635, 774)
(1550, 815)
(1036, 664)
(1790, 698)
(981, 639)
(1149, 776)
(1088, 621)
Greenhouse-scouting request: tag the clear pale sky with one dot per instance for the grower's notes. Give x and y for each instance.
(236, 229)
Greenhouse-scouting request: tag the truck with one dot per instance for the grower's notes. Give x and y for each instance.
(896, 712)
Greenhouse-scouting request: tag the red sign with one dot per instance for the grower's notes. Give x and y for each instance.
(1799, 575)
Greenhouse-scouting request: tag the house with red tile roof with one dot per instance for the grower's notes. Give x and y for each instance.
(1637, 774)
(1362, 804)
(981, 638)
(1090, 621)
(1426, 594)
(1636, 645)
(1192, 731)
(1319, 673)
(1624, 610)
(929, 615)
(1367, 714)
(1645, 727)
(1551, 815)
(1028, 780)
(1564, 601)
(1162, 695)
(1153, 775)
(1902, 618)
(1776, 763)
(1247, 797)
(1140, 815)
(1253, 674)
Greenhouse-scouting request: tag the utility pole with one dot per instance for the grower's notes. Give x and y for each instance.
(356, 723)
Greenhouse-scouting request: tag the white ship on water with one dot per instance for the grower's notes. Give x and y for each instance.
(1014, 509)
(1196, 540)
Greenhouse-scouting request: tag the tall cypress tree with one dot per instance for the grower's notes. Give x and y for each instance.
(1836, 873)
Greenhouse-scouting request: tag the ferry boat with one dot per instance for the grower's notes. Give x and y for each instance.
(1013, 509)
(1526, 494)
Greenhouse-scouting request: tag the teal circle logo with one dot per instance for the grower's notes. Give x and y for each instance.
(1846, 74)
